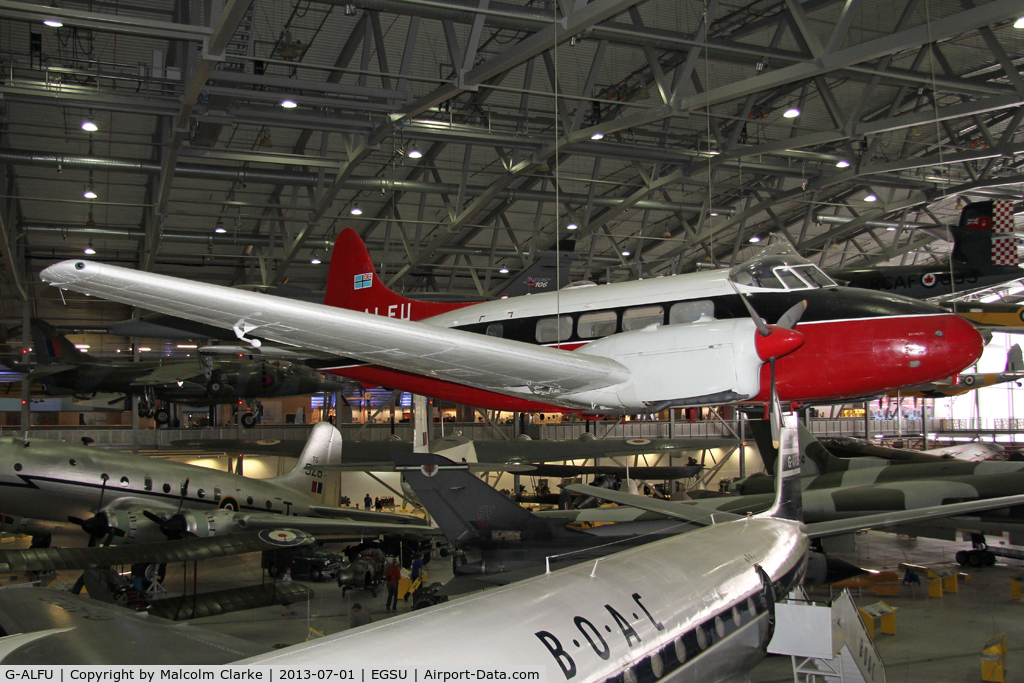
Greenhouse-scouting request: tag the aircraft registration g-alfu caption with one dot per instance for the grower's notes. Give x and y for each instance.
(692, 339)
(695, 607)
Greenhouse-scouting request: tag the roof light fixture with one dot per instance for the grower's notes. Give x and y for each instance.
(53, 23)
(89, 250)
(315, 260)
(1019, 23)
(414, 152)
(503, 270)
(89, 127)
(288, 104)
(188, 346)
(597, 136)
(791, 113)
(355, 210)
(754, 239)
(872, 197)
(842, 163)
(145, 348)
(220, 229)
(571, 226)
(626, 252)
(90, 193)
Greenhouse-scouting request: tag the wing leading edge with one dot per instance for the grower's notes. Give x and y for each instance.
(489, 363)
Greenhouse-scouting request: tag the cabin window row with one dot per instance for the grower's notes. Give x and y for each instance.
(599, 324)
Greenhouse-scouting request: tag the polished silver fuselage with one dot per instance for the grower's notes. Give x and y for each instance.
(688, 608)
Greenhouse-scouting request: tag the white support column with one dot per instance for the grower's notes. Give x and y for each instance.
(420, 424)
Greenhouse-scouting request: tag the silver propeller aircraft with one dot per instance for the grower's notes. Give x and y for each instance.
(120, 498)
(694, 607)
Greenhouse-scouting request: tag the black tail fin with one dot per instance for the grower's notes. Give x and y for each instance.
(548, 272)
(984, 236)
(51, 347)
(788, 496)
(816, 458)
(464, 507)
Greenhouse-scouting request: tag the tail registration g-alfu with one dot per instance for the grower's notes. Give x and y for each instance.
(692, 339)
(698, 607)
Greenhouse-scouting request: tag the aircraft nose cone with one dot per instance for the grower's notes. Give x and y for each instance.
(66, 272)
(960, 345)
(777, 344)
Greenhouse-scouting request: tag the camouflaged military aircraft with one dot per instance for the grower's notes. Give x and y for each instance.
(843, 488)
(64, 369)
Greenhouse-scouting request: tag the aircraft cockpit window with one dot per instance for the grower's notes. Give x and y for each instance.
(148, 484)
(814, 274)
(691, 311)
(790, 279)
(779, 266)
(495, 330)
(554, 329)
(641, 317)
(594, 325)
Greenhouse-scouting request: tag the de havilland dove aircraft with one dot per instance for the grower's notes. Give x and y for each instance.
(122, 498)
(693, 607)
(693, 339)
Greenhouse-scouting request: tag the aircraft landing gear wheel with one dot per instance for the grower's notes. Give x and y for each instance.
(989, 559)
(215, 386)
(961, 558)
(163, 417)
(315, 574)
(150, 413)
(142, 412)
(248, 420)
(974, 559)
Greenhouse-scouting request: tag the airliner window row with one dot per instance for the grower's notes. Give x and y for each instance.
(684, 649)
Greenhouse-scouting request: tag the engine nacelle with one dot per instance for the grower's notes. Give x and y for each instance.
(211, 523)
(699, 363)
(131, 527)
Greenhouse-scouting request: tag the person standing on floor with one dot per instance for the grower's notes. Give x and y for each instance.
(393, 575)
(367, 502)
(287, 578)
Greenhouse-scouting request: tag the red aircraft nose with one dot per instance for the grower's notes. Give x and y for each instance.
(867, 357)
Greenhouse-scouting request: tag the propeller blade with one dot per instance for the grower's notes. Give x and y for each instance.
(791, 317)
(156, 519)
(762, 327)
(103, 489)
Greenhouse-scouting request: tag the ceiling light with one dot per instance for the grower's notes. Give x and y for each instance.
(315, 261)
(288, 104)
(220, 227)
(145, 348)
(355, 210)
(415, 153)
(1019, 23)
(755, 239)
(89, 250)
(597, 136)
(90, 193)
(871, 198)
(714, 213)
(842, 163)
(625, 252)
(891, 229)
(791, 113)
(503, 270)
(571, 226)
(188, 346)
(89, 127)
(82, 346)
(53, 23)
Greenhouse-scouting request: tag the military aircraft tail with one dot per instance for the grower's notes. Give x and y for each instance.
(51, 347)
(1014, 360)
(788, 499)
(464, 507)
(323, 448)
(352, 283)
(984, 237)
(816, 459)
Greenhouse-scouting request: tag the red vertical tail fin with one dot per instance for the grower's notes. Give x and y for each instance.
(352, 283)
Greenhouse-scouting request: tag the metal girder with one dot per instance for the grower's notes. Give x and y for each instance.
(230, 16)
(100, 21)
(580, 20)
